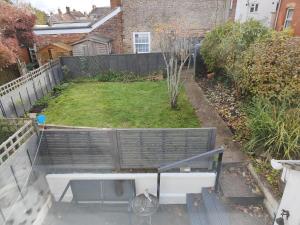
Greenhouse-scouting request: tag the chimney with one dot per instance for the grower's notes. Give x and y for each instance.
(115, 3)
(94, 6)
(59, 11)
(68, 11)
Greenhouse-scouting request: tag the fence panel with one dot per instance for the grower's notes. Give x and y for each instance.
(123, 148)
(141, 64)
(19, 95)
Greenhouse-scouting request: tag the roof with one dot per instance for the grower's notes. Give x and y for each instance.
(59, 45)
(100, 11)
(94, 38)
(75, 27)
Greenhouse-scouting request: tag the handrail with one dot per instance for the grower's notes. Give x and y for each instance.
(218, 151)
(202, 155)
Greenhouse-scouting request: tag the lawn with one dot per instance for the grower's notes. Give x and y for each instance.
(119, 105)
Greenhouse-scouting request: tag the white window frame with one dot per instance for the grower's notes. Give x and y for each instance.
(149, 43)
(286, 17)
(256, 5)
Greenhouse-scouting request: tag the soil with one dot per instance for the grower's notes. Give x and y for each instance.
(225, 101)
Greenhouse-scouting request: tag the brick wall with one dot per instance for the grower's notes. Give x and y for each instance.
(112, 29)
(198, 16)
(282, 14)
(43, 40)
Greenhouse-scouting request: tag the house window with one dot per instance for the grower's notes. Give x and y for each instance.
(253, 7)
(288, 17)
(141, 42)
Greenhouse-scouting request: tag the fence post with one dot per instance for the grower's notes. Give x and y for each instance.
(17, 183)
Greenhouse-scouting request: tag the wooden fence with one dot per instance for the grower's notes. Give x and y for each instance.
(141, 64)
(19, 95)
(123, 148)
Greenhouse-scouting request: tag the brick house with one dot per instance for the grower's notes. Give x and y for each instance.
(108, 25)
(140, 19)
(288, 15)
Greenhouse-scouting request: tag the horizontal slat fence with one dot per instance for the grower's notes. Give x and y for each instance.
(18, 96)
(123, 148)
(141, 64)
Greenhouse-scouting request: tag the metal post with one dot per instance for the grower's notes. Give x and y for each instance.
(158, 186)
(218, 171)
(17, 183)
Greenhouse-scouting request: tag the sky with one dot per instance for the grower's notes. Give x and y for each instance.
(52, 5)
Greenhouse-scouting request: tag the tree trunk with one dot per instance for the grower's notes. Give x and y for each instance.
(174, 102)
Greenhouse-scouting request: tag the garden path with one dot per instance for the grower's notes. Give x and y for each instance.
(210, 118)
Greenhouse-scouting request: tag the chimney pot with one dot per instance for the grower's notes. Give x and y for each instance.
(68, 10)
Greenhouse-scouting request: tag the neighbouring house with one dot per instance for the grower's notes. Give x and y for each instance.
(68, 16)
(141, 18)
(108, 25)
(92, 45)
(53, 51)
(288, 15)
(261, 10)
(98, 12)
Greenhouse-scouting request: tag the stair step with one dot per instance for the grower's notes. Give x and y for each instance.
(237, 186)
(196, 210)
(216, 212)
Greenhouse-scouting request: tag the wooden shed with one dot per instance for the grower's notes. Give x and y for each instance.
(53, 51)
(92, 45)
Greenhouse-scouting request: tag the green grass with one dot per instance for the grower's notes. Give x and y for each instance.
(119, 105)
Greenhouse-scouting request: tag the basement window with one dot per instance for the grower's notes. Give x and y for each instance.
(141, 42)
(253, 7)
(288, 17)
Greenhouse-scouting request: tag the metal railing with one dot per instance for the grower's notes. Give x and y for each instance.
(218, 151)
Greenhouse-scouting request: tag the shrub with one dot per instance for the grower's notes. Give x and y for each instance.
(274, 130)
(270, 69)
(224, 45)
(112, 76)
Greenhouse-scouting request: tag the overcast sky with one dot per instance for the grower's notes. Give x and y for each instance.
(53, 5)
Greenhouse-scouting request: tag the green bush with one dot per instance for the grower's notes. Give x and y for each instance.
(274, 130)
(270, 69)
(6, 130)
(112, 76)
(224, 45)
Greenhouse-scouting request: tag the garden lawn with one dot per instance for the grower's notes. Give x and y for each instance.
(119, 105)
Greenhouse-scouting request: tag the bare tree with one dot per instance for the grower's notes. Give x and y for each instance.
(176, 50)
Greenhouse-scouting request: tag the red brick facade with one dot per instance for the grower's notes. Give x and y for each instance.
(232, 9)
(285, 4)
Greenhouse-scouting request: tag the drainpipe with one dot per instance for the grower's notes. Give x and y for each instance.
(277, 13)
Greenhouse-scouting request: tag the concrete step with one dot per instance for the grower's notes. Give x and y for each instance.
(196, 210)
(216, 212)
(237, 186)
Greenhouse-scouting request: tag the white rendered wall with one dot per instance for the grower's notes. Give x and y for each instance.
(291, 198)
(266, 10)
(173, 189)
